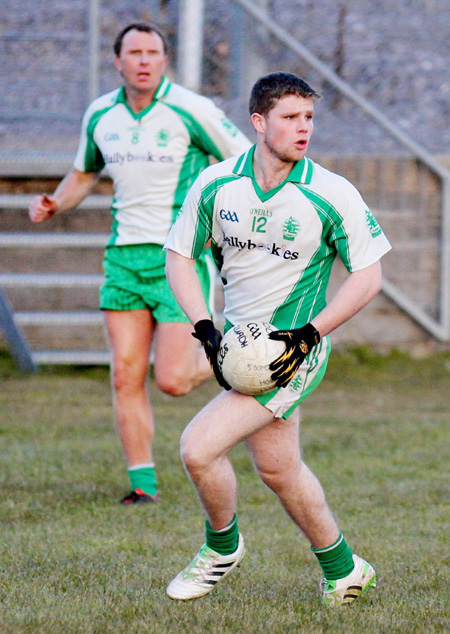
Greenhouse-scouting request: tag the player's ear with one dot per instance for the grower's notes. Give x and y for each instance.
(117, 63)
(258, 122)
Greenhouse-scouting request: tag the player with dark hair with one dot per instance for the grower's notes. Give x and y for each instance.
(154, 138)
(141, 27)
(288, 218)
(269, 89)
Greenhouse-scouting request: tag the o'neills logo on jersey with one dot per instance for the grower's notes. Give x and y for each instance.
(271, 248)
(130, 157)
(254, 211)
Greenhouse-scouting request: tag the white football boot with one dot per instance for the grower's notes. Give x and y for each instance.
(204, 572)
(349, 588)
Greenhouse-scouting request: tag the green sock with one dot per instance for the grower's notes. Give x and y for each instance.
(225, 541)
(143, 477)
(336, 560)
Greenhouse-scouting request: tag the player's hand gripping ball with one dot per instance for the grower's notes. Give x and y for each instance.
(245, 355)
(299, 343)
(210, 338)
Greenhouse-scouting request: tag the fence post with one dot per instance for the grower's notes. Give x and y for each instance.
(17, 343)
(190, 44)
(94, 56)
(445, 258)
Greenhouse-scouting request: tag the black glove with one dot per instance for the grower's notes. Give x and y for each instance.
(298, 344)
(210, 338)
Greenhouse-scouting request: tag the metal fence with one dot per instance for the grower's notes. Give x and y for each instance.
(55, 57)
(407, 188)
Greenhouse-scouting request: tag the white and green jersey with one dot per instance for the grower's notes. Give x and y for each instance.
(153, 157)
(275, 249)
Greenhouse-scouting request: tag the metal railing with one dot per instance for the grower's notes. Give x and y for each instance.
(434, 319)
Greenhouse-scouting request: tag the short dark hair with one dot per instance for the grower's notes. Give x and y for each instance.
(146, 27)
(270, 88)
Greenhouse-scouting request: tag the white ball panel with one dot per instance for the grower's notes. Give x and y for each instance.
(245, 355)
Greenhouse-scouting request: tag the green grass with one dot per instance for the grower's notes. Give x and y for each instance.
(74, 561)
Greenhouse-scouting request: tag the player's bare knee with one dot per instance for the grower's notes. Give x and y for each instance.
(272, 480)
(173, 386)
(194, 458)
(123, 378)
(173, 381)
(278, 479)
(119, 376)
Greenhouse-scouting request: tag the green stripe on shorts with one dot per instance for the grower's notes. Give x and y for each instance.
(283, 401)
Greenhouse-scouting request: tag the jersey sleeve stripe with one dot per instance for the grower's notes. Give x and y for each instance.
(93, 158)
(198, 135)
(332, 220)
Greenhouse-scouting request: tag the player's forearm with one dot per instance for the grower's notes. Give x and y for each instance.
(185, 285)
(356, 292)
(74, 187)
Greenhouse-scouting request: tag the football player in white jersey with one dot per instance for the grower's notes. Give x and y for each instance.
(153, 137)
(276, 221)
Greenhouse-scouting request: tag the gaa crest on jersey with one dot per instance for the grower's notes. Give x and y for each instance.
(290, 228)
(372, 223)
(111, 136)
(228, 215)
(162, 137)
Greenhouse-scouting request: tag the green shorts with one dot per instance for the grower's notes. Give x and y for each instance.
(283, 401)
(135, 279)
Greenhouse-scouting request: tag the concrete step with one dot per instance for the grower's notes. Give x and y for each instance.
(71, 357)
(58, 318)
(46, 280)
(84, 298)
(76, 220)
(62, 330)
(67, 260)
(52, 334)
(65, 330)
(51, 240)
(22, 201)
(91, 215)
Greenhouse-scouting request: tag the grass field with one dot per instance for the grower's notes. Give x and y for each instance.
(72, 560)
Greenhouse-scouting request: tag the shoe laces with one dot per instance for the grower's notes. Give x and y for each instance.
(201, 565)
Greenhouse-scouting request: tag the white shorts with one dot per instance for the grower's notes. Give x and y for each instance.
(283, 401)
